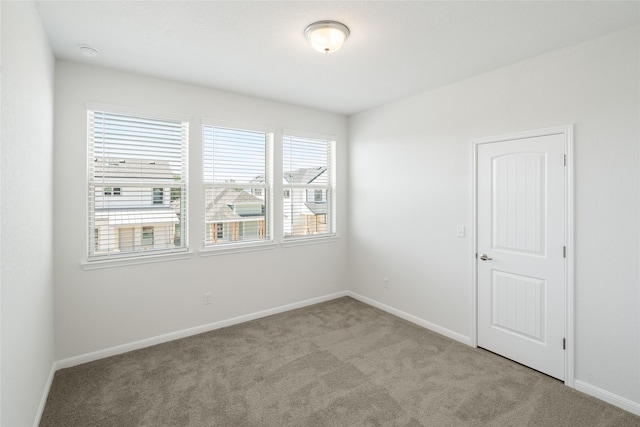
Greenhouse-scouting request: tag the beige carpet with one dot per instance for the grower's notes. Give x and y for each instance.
(339, 363)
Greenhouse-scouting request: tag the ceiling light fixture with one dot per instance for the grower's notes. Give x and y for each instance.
(88, 51)
(326, 36)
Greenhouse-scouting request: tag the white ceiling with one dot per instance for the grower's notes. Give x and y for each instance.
(257, 48)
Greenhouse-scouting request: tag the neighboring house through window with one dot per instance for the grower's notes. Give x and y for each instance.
(138, 159)
(236, 164)
(309, 186)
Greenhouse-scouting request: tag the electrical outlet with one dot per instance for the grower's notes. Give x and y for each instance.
(207, 298)
(385, 283)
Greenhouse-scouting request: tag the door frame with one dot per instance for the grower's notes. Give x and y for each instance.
(567, 132)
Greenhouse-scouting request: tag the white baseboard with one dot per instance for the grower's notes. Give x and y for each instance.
(619, 401)
(413, 319)
(604, 395)
(148, 342)
(45, 395)
(607, 396)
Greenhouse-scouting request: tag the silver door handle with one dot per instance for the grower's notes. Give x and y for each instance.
(484, 257)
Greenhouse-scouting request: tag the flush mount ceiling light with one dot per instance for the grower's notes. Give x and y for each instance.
(88, 51)
(326, 36)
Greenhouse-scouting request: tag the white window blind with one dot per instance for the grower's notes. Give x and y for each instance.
(237, 186)
(138, 170)
(309, 187)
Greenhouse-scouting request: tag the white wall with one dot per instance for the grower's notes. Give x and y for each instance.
(410, 185)
(26, 269)
(99, 309)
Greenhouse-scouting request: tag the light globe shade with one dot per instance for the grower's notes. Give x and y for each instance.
(326, 36)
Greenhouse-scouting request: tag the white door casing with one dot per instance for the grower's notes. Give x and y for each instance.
(522, 192)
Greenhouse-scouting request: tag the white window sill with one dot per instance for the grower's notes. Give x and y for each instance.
(134, 260)
(301, 241)
(236, 248)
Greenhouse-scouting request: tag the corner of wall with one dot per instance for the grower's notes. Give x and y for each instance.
(27, 340)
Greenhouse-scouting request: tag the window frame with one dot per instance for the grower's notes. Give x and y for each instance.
(98, 261)
(267, 190)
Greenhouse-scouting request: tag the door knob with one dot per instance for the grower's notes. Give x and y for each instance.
(484, 257)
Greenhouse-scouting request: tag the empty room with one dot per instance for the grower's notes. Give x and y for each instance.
(320, 213)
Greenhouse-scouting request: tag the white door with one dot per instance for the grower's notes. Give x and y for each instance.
(521, 190)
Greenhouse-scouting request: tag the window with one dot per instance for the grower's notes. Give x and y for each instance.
(309, 187)
(147, 236)
(237, 186)
(108, 191)
(136, 158)
(158, 196)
